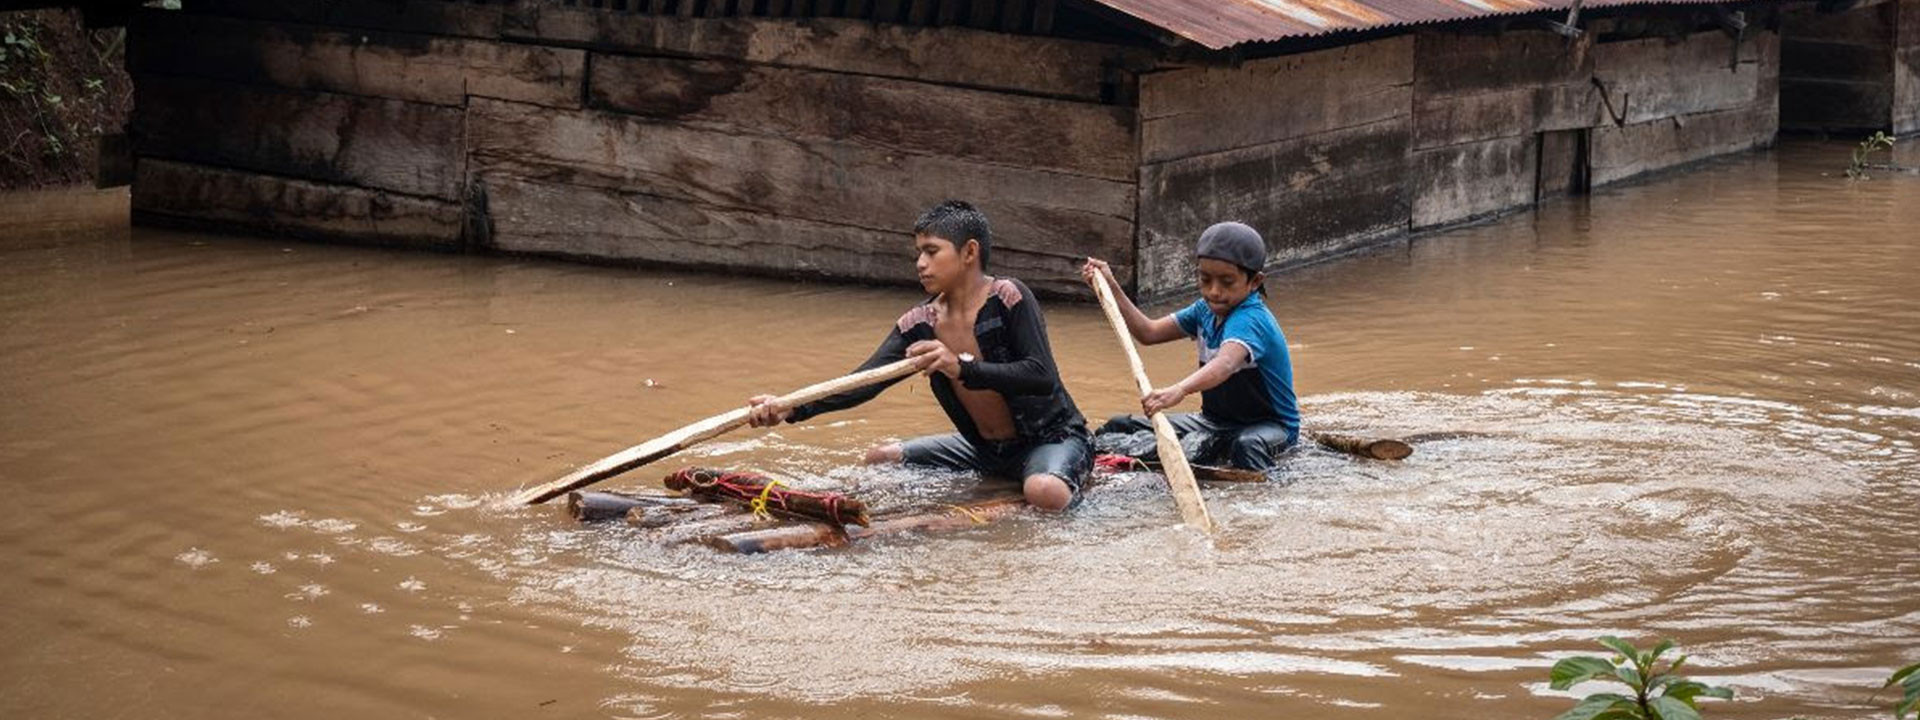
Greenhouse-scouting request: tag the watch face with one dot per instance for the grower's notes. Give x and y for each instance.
(966, 357)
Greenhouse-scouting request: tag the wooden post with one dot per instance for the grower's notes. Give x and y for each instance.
(597, 506)
(1186, 492)
(702, 431)
(1376, 448)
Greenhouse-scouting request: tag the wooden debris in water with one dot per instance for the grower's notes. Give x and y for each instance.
(1375, 448)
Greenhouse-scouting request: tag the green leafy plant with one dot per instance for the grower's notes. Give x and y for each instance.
(1877, 142)
(1659, 692)
(1908, 678)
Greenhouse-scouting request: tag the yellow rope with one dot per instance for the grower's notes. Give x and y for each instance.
(759, 504)
(971, 514)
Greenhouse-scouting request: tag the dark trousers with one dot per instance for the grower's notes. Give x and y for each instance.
(1208, 442)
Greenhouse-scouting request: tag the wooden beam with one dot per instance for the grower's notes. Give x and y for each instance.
(196, 196)
(375, 143)
(403, 66)
(1055, 135)
(958, 56)
(436, 18)
(1196, 111)
(551, 218)
(1307, 196)
(829, 181)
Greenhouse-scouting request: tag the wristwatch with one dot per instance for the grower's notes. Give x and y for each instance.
(966, 360)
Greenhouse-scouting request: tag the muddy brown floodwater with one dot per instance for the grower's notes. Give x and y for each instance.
(249, 477)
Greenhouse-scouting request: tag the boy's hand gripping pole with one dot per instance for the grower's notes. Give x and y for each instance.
(1186, 491)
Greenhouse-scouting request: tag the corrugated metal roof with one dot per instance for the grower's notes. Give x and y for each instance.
(1223, 23)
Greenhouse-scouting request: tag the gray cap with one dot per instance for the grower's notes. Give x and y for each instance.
(1235, 243)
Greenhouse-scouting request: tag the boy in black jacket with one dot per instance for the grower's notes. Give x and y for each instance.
(983, 343)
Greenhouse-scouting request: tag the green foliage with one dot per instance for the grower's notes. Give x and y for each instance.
(1908, 680)
(1877, 142)
(1659, 692)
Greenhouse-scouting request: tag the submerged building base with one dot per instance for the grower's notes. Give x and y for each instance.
(806, 146)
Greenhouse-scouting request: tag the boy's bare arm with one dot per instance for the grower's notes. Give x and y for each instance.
(1230, 359)
(1145, 330)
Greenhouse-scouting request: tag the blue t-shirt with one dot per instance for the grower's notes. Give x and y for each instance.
(1261, 391)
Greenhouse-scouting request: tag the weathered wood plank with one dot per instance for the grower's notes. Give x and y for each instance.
(371, 142)
(435, 18)
(1307, 196)
(827, 181)
(1471, 87)
(1450, 62)
(1660, 79)
(1194, 111)
(172, 193)
(954, 56)
(1906, 69)
(1563, 164)
(1061, 135)
(547, 218)
(418, 68)
(1462, 182)
(1623, 152)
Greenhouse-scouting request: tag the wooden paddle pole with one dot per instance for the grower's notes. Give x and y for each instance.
(1186, 491)
(699, 432)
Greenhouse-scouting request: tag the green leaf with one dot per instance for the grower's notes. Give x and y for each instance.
(1623, 647)
(1629, 676)
(1903, 673)
(1667, 708)
(1661, 649)
(1687, 690)
(1594, 706)
(1573, 670)
(1900, 711)
(1678, 663)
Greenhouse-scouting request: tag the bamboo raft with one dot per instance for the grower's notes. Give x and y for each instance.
(746, 513)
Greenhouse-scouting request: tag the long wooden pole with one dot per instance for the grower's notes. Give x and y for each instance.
(696, 433)
(1173, 460)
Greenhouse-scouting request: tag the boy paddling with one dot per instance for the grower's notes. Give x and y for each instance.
(1245, 378)
(982, 342)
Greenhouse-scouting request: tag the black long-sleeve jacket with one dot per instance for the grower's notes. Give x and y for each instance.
(1015, 360)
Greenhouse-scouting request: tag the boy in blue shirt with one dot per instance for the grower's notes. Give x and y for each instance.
(1245, 379)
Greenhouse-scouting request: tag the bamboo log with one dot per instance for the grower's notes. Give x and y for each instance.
(698, 432)
(599, 506)
(816, 534)
(1186, 492)
(1376, 448)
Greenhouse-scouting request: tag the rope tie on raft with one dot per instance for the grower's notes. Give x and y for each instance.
(760, 495)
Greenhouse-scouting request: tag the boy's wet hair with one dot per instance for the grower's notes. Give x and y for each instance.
(957, 221)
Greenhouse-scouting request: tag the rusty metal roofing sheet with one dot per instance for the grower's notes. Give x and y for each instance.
(1222, 23)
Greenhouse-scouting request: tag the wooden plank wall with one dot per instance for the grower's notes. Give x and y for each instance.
(1838, 69)
(637, 133)
(1309, 148)
(1906, 68)
(1334, 149)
